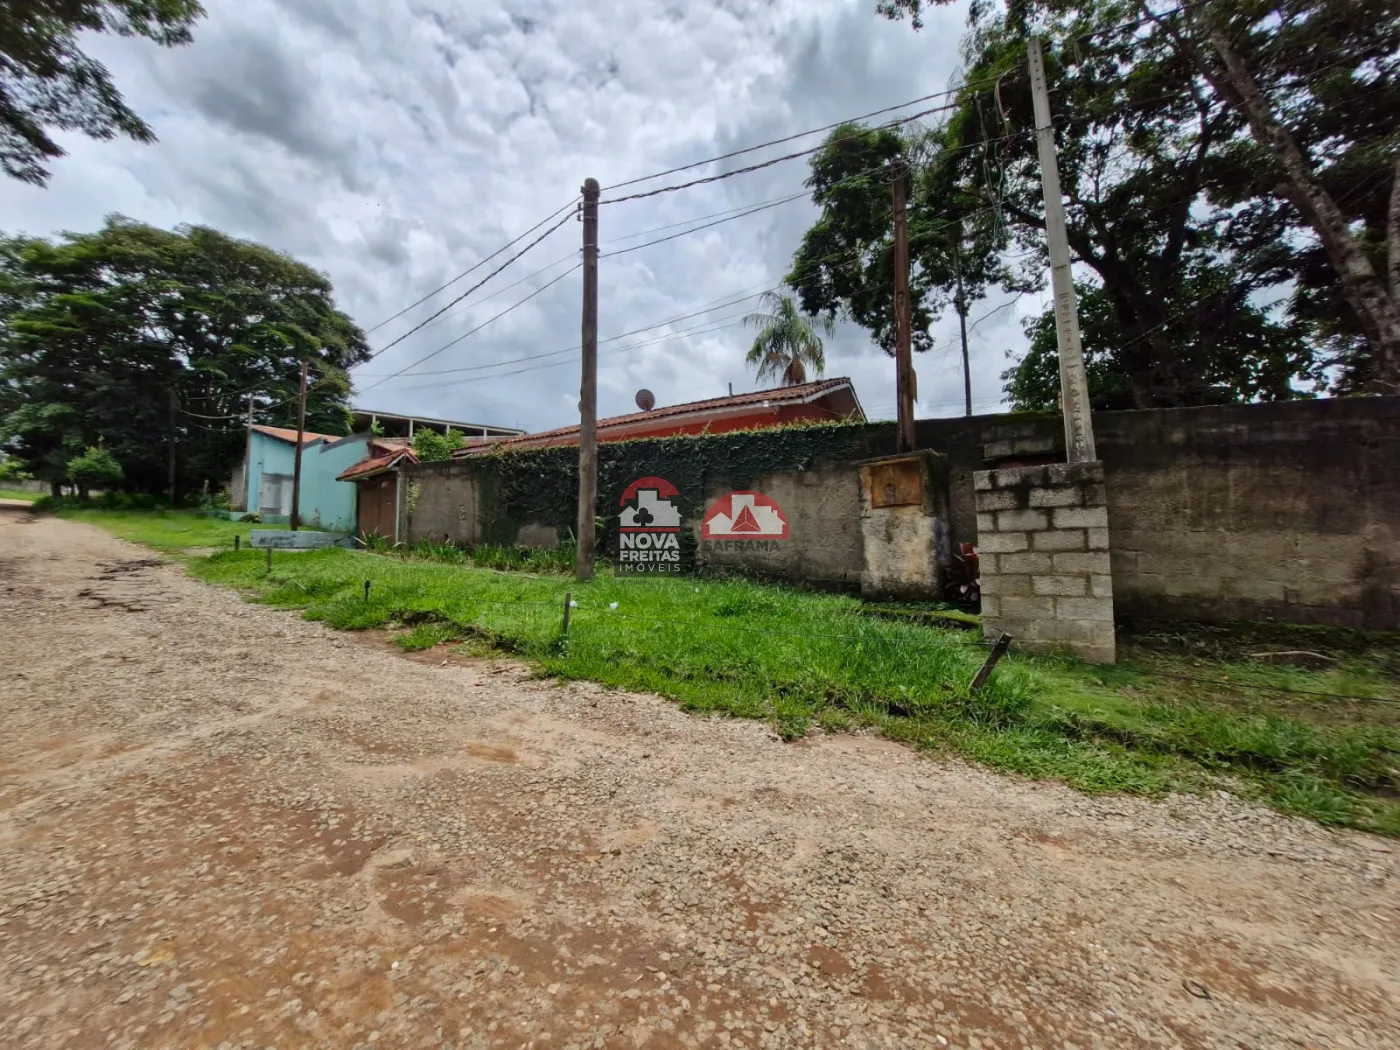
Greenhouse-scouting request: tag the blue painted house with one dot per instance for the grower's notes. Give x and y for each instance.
(264, 485)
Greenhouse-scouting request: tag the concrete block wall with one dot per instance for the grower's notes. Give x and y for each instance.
(1043, 545)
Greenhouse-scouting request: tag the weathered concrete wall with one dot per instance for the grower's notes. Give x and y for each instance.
(822, 506)
(1044, 557)
(904, 527)
(442, 503)
(1289, 511)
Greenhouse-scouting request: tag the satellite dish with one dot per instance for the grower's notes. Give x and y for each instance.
(646, 400)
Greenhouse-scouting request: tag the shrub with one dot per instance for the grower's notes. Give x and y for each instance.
(95, 469)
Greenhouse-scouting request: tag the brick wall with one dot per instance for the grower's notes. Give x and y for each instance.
(1043, 543)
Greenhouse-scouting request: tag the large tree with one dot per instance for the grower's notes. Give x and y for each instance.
(1200, 148)
(47, 83)
(135, 337)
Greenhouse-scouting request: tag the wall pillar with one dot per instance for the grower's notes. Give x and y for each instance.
(1043, 550)
(904, 527)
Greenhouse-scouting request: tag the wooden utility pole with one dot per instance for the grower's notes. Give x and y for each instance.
(1074, 387)
(588, 391)
(960, 305)
(296, 456)
(170, 445)
(904, 351)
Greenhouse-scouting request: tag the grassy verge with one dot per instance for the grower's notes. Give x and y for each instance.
(800, 659)
(172, 531)
(19, 494)
(485, 556)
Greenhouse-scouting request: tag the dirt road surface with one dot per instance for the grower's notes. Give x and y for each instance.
(221, 826)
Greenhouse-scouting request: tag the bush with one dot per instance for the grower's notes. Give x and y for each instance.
(95, 469)
(10, 470)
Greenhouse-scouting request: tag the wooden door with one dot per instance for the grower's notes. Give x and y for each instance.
(377, 506)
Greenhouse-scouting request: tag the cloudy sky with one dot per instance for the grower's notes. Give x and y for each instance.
(394, 143)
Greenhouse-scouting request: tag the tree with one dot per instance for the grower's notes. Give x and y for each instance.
(47, 82)
(844, 265)
(787, 341)
(95, 469)
(430, 446)
(141, 335)
(1168, 174)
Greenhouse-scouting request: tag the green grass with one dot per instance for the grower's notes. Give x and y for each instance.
(20, 494)
(172, 531)
(801, 659)
(484, 556)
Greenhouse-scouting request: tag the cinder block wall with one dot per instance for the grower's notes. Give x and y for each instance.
(1044, 542)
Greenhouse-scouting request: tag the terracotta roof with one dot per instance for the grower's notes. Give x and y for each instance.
(784, 395)
(289, 435)
(382, 460)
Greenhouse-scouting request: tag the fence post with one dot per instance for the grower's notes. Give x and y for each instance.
(568, 604)
(993, 657)
(269, 562)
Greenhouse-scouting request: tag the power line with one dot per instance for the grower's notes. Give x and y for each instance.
(473, 331)
(743, 214)
(467, 272)
(480, 283)
(798, 135)
(767, 163)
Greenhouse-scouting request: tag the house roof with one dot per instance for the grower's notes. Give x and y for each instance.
(381, 458)
(787, 395)
(289, 435)
(456, 424)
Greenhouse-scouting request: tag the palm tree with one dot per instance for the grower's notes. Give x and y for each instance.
(787, 340)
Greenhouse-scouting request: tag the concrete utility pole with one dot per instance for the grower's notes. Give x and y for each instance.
(296, 456)
(904, 352)
(588, 390)
(1074, 387)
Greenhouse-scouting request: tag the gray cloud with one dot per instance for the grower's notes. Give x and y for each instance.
(394, 143)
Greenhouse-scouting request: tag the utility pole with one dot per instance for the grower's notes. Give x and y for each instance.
(1074, 387)
(241, 498)
(960, 305)
(170, 445)
(904, 352)
(588, 391)
(296, 460)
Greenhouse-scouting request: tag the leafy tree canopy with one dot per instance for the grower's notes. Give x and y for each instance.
(48, 84)
(429, 445)
(95, 469)
(133, 334)
(1208, 279)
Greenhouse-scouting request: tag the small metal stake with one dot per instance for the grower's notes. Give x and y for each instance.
(985, 671)
(367, 590)
(236, 539)
(568, 604)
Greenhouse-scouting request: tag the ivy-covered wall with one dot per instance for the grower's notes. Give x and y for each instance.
(494, 498)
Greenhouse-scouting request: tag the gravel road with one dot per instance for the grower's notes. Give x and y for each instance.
(221, 826)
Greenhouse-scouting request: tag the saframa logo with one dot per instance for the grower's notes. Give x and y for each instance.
(648, 542)
(743, 521)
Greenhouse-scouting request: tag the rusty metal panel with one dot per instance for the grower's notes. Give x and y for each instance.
(897, 483)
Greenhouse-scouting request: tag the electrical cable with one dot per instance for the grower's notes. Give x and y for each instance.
(480, 283)
(799, 135)
(472, 269)
(495, 317)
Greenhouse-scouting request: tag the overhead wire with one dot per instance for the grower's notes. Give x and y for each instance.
(489, 320)
(424, 323)
(472, 269)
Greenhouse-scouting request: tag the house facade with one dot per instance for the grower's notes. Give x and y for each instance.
(825, 401)
(266, 482)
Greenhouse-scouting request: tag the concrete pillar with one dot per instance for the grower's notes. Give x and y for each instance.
(1042, 544)
(904, 527)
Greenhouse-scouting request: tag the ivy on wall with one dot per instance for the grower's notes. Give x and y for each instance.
(540, 486)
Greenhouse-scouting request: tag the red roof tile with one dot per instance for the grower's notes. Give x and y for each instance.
(784, 395)
(381, 461)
